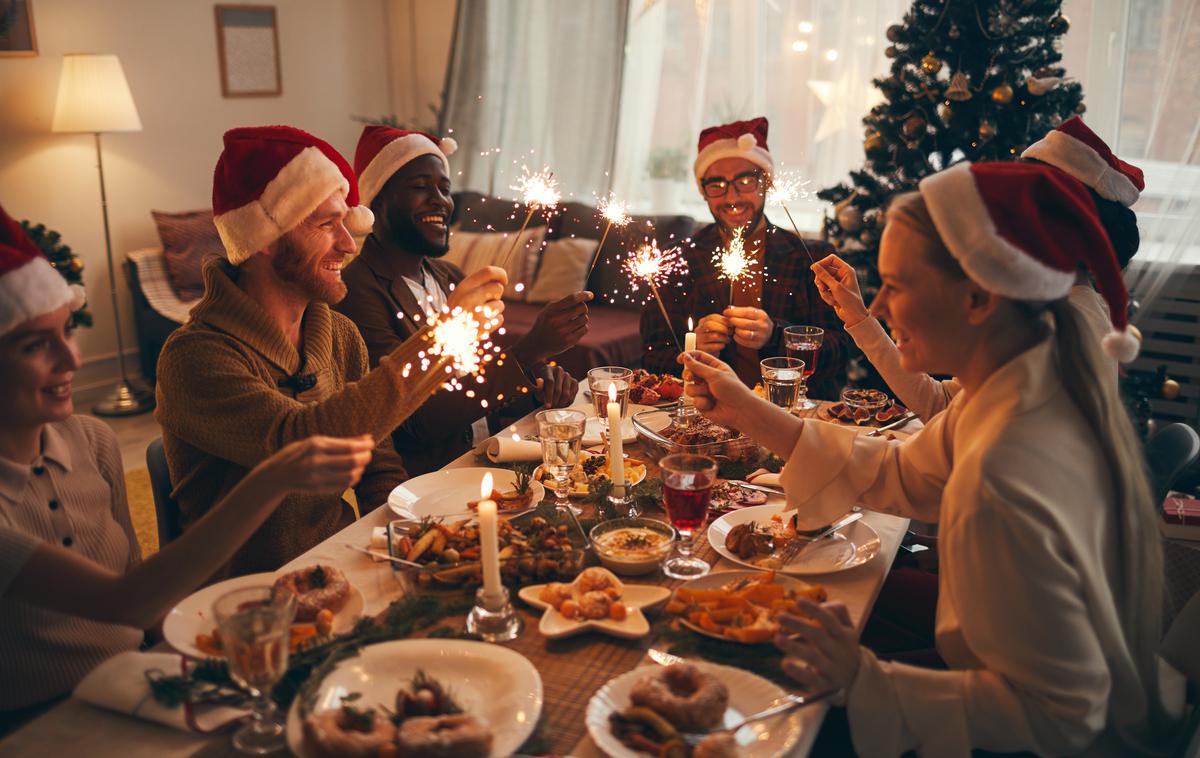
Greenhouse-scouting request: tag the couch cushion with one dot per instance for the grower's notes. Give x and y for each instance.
(612, 338)
(610, 279)
(563, 269)
(189, 239)
(471, 251)
(474, 212)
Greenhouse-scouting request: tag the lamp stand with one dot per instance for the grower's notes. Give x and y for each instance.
(127, 399)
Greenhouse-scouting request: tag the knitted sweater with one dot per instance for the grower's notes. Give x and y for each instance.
(225, 403)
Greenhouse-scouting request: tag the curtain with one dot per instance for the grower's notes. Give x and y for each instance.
(536, 83)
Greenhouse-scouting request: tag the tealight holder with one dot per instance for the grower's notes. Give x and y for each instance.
(623, 503)
(493, 618)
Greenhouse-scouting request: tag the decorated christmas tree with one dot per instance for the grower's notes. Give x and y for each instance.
(973, 79)
(64, 260)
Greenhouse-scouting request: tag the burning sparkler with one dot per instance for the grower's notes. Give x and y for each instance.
(615, 213)
(733, 262)
(785, 187)
(538, 190)
(654, 266)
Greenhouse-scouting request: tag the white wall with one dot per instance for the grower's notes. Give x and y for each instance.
(334, 64)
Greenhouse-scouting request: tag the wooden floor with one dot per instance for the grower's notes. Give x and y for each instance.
(134, 433)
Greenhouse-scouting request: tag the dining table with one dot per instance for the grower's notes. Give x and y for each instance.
(571, 669)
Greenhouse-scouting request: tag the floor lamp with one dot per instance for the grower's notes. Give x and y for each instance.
(93, 97)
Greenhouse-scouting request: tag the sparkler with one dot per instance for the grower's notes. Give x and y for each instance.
(654, 266)
(538, 190)
(616, 213)
(786, 187)
(733, 262)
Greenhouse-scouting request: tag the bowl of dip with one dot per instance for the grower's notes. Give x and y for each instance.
(632, 546)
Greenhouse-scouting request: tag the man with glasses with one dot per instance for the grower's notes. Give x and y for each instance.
(733, 170)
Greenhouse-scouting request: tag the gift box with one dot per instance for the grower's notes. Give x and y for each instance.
(1181, 517)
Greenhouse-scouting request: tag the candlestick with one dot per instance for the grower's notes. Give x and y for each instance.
(489, 549)
(616, 446)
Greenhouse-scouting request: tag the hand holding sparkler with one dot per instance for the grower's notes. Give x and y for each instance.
(653, 266)
(538, 190)
(615, 213)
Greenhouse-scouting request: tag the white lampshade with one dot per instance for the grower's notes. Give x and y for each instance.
(93, 96)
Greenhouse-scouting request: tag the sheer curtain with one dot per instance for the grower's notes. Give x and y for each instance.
(805, 64)
(536, 82)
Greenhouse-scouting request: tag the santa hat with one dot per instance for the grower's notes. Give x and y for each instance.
(29, 285)
(741, 139)
(382, 150)
(1076, 149)
(269, 179)
(1021, 230)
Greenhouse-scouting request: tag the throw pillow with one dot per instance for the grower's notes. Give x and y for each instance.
(564, 269)
(471, 251)
(189, 240)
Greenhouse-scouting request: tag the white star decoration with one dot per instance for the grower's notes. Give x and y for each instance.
(845, 101)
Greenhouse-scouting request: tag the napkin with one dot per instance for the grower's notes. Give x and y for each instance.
(119, 684)
(508, 450)
(764, 478)
(379, 543)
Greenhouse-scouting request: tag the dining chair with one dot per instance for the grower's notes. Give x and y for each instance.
(166, 510)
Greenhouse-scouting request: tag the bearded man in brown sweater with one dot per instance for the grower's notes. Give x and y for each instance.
(399, 279)
(264, 361)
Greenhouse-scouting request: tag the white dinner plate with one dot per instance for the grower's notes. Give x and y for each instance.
(636, 597)
(633, 477)
(446, 492)
(851, 547)
(748, 693)
(498, 686)
(194, 614)
(593, 430)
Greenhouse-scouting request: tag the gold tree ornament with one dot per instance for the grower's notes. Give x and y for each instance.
(1170, 389)
(1041, 85)
(1002, 94)
(958, 91)
(931, 64)
(874, 143)
(945, 113)
(987, 130)
(1060, 24)
(893, 32)
(914, 127)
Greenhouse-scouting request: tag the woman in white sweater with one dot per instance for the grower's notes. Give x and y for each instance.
(1048, 613)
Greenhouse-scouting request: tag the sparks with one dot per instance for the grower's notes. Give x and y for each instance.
(786, 187)
(457, 336)
(733, 262)
(538, 189)
(651, 265)
(614, 211)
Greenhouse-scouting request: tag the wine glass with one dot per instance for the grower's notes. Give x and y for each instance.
(804, 342)
(687, 484)
(561, 433)
(782, 378)
(255, 628)
(599, 379)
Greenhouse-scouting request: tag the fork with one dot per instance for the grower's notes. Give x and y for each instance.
(790, 703)
(798, 543)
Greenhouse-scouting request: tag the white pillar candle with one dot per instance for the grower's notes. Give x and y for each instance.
(616, 447)
(489, 540)
(689, 339)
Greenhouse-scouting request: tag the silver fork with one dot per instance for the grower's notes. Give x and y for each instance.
(793, 548)
(789, 704)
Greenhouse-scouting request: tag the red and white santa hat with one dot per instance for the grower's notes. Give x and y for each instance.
(1021, 230)
(741, 139)
(29, 285)
(269, 179)
(1079, 151)
(382, 150)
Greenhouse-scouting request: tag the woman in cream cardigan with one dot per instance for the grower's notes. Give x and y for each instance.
(1048, 616)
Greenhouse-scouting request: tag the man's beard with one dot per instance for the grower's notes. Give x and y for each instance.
(290, 266)
(407, 236)
(755, 221)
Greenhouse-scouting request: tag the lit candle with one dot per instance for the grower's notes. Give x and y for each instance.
(616, 448)
(489, 541)
(689, 339)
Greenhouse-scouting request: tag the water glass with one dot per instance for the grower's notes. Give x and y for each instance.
(599, 380)
(561, 432)
(782, 379)
(804, 342)
(687, 486)
(255, 627)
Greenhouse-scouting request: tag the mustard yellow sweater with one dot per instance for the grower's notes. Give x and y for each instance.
(224, 406)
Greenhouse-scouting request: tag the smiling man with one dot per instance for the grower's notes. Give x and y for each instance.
(733, 171)
(264, 361)
(399, 279)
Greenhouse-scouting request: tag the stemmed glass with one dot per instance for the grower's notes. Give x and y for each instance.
(599, 379)
(687, 485)
(782, 378)
(255, 631)
(561, 433)
(804, 342)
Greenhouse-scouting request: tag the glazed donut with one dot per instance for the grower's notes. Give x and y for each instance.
(690, 699)
(316, 588)
(339, 734)
(457, 736)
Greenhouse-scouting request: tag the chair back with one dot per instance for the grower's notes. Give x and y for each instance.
(165, 507)
(1169, 452)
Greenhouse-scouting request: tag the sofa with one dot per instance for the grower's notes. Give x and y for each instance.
(613, 337)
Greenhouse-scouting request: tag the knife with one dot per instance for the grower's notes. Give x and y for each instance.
(759, 487)
(897, 423)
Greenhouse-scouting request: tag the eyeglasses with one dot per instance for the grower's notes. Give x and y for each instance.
(743, 184)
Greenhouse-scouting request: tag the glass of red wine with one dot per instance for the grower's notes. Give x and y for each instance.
(804, 342)
(687, 484)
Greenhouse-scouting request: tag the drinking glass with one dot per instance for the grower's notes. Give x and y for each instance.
(255, 632)
(804, 342)
(561, 432)
(782, 378)
(687, 484)
(599, 379)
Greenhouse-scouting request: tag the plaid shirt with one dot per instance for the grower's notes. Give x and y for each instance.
(789, 296)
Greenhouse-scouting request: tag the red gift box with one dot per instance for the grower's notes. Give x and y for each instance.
(1184, 511)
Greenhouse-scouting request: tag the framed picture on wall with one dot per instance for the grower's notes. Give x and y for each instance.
(248, 51)
(16, 29)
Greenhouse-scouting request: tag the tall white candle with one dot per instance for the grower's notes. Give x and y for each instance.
(616, 446)
(489, 540)
(689, 339)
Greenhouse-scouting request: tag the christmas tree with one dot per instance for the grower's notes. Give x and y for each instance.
(64, 260)
(973, 79)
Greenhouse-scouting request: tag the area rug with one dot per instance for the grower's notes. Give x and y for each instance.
(141, 509)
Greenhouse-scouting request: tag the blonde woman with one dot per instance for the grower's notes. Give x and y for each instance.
(73, 587)
(1048, 612)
